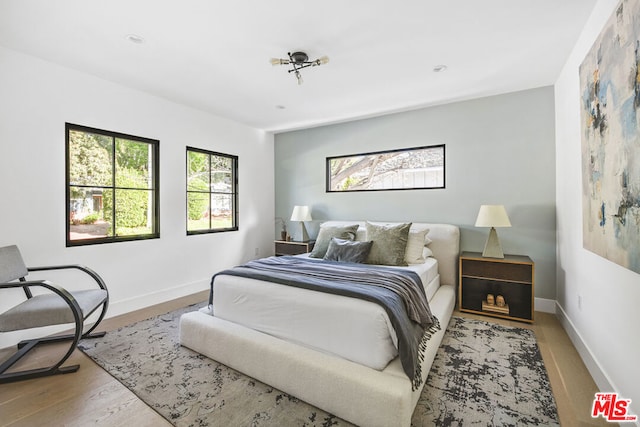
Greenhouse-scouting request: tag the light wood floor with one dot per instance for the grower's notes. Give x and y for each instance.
(92, 397)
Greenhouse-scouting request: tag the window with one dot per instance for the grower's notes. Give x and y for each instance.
(212, 191)
(112, 186)
(404, 169)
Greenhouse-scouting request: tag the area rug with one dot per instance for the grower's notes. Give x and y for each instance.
(484, 374)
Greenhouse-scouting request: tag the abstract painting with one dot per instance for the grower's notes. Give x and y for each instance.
(610, 125)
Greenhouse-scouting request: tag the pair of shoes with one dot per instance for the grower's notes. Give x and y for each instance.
(499, 300)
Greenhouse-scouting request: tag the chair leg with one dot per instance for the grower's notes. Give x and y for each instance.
(24, 348)
(36, 373)
(60, 338)
(94, 335)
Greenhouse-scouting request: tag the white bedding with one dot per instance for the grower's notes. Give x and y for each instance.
(315, 319)
(349, 390)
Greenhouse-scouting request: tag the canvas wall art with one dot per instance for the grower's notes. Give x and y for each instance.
(610, 125)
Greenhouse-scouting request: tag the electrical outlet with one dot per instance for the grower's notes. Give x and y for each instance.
(257, 251)
(579, 302)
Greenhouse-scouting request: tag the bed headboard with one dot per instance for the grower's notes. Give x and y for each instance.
(445, 245)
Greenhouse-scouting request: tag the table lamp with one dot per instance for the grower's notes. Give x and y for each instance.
(301, 214)
(492, 216)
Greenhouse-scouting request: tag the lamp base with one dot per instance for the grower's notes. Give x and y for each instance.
(304, 236)
(493, 249)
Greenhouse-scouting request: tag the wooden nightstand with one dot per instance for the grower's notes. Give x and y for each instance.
(511, 277)
(293, 248)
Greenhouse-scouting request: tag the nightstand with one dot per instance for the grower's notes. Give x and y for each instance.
(511, 277)
(293, 248)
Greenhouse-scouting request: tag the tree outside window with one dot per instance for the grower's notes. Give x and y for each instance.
(112, 186)
(403, 169)
(211, 191)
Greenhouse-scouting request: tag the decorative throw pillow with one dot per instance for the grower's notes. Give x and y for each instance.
(415, 244)
(347, 250)
(389, 243)
(325, 234)
(426, 253)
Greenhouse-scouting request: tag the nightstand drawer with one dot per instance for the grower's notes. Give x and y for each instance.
(292, 248)
(506, 271)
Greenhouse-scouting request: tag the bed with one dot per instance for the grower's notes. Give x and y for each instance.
(332, 351)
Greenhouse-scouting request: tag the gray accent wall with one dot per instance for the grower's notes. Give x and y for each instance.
(499, 150)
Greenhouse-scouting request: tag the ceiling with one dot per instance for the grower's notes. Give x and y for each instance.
(214, 55)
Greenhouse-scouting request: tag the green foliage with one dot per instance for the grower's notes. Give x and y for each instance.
(197, 171)
(132, 155)
(89, 160)
(90, 164)
(131, 205)
(90, 219)
(133, 160)
(197, 203)
(207, 173)
(349, 182)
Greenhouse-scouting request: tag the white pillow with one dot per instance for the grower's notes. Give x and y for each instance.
(426, 252)
(415, 244)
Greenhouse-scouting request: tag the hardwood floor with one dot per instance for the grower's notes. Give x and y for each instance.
(92, 397)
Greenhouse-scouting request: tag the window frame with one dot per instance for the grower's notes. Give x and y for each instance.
(233, 193)
(441, 147)
(155, 186)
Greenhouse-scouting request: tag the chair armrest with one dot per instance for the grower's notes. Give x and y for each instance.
(82, 268)
(8, 285)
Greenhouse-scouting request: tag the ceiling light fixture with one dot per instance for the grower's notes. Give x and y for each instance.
(298, 61)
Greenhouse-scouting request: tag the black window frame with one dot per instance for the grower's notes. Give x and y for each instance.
(233, 194)
(328, 188)
(155, 187)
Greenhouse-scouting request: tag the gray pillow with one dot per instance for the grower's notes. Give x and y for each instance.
(389, 243)
(347, 250)
(347, 232)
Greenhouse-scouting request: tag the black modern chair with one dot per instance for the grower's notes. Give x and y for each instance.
(54, 307)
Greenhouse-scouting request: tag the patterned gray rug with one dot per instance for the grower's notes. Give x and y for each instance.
(483, 375)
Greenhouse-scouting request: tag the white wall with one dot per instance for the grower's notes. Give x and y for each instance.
(499, 150)
(605, 328)
(38, 97)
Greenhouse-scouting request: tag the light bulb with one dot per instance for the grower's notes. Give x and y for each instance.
(278, 61)
(299, 77)
(320, 61)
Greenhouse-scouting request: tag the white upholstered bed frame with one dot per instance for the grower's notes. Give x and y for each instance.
(356, 393)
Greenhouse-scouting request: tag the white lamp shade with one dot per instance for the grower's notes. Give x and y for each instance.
(492, 216)
(301, 213)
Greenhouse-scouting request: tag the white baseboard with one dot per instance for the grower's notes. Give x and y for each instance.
(142, 301)
(601, 379)
(545, 305)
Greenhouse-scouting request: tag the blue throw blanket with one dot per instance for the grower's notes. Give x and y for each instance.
(399, 292)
